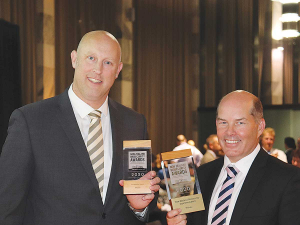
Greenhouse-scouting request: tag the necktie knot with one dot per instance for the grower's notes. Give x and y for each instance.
(96, 114)
(232, 171)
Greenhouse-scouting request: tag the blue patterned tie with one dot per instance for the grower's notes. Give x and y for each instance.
(220, 213)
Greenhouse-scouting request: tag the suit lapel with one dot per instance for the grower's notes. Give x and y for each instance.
(116, 173)
(68, 122)
(251, 182)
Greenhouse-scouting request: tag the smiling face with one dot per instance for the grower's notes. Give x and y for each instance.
(97, 65)
(237, 129)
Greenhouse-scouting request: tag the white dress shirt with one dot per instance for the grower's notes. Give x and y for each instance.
(243, 165)
(81, 111)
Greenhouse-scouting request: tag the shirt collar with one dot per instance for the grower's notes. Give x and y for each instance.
(83, 108)
(245, 163)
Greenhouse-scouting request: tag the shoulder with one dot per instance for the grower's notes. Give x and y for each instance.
(41, 110)
(278, 151)
(285, 177)
(40, 107)
(208, 155)
(113, 105)
(278, 171)
(194, 148)
(277, 164)
(124, 115)
(207, 168)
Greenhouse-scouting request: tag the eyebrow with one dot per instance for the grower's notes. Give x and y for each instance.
(243, 118)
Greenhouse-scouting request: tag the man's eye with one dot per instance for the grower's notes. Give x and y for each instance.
(107, 62)
(239, 123)
(91, 58)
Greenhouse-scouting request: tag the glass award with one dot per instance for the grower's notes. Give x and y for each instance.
(181, 181)
(136, 163)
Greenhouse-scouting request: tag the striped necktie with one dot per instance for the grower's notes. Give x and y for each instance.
(220, 213)
(95, 147)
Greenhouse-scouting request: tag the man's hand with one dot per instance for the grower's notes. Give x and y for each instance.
(140, 201)
(173, 217)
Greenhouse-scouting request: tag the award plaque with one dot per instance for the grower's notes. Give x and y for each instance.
(136, 163)
(181, 180)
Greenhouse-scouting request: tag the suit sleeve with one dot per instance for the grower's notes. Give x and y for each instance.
(16, 168)
(290, 203)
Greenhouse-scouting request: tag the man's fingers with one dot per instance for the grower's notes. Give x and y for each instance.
(154, 188)
(173, 213)
(148, 176)
(173, 217)
(121, 182)
(148, 197)
(156, 180)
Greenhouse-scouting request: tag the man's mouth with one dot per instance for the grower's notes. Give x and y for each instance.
(94, 80)
(231, 141)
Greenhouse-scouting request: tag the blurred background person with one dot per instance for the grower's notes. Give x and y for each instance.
(298, 143)
(182, 144)
(267, 142)
(296, 158)
(213, 149)
(156, 162)
(290, 147)
(191, 142)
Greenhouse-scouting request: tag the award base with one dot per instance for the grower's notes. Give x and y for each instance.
(136, 187)
(188, 204)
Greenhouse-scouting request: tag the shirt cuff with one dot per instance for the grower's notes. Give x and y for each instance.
(140, 215)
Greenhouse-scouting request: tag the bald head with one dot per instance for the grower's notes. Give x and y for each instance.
(180, 139)
(99, 35)
(243, 96)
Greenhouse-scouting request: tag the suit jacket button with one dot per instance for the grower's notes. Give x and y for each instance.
(103, 215)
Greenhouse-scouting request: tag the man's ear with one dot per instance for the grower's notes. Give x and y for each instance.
(119, 69)
(261, 126)
(74, 58)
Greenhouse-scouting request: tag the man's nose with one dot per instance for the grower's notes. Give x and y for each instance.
(98, 68)
(231, 130)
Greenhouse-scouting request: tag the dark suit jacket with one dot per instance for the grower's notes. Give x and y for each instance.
(46, 177)
(270, 194)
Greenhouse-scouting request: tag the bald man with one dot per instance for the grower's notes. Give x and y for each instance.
(52, 171)
(247, 186)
